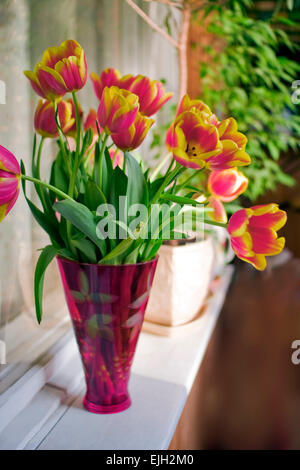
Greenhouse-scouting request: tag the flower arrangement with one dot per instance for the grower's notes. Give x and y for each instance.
(89, 205)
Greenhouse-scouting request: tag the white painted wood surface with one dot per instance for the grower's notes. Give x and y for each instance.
(44, 409)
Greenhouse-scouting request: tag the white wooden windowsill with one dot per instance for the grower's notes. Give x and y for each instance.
(43, 409)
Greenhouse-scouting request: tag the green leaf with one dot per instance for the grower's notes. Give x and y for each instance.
(93, 196)
(46, 256)
(117, 251)
(82, 218)
(50, 227)
(106, 173)
(60, 178)
(118, 187)
(180, 199)
(137, 191)
(87, 248)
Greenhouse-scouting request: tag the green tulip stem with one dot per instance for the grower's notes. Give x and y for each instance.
(38, 172)
(38, 161)
(48, 186)
(78, 132)
(61, 137)
(106, 136)
(212, 222)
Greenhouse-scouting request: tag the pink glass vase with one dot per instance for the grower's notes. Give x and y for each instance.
(107, 305)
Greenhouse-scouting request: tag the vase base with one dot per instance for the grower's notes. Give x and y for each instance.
(106, 409)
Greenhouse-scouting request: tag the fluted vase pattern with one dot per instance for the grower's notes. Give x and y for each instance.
(107, 305)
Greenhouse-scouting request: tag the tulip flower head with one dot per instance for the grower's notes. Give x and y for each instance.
(151, 93)
(132, 137)
(192, 139)
(9, 181)
(44, 118)
(117, 110)
(197, 139)
(227, 185)
(109, 77)
(253, 233)
(62, 69)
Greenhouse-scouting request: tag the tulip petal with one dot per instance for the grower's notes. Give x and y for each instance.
(265, 241)
(219, 213)
(51, 82)
(186, 104)
(8, 187)
(3, 212)
(273, 221)
(34, 83)
(238, 223)
(12, 201)
(69, 70)
(264, 208)
(258, 261)
(242, 245)
(229, 157)
(8, 162)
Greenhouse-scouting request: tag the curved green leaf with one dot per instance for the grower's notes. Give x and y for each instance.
(46, 256)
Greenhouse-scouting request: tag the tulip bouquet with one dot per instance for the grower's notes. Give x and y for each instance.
(87, 206)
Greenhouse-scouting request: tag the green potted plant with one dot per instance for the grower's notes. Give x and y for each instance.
(107, 221)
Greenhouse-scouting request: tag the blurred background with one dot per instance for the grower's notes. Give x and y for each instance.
(241, 58)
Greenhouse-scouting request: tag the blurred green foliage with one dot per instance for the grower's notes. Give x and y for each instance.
(254, 85)
(251, 80)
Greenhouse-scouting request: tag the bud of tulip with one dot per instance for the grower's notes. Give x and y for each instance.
(228, 184)
(44, 118)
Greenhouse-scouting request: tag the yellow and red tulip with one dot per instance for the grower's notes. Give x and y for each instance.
(197, 139)
(44, 118)
(109, 77)
(117, 110)
(228, 184)
(193, 140)
(253, 233)
(62, 69)
(151, 93)
(218, 213)
(134, 135)
(9, 181)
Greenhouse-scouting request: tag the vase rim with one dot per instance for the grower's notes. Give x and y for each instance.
(107, 265)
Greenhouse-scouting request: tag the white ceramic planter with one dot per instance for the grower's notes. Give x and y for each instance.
(181, 282)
